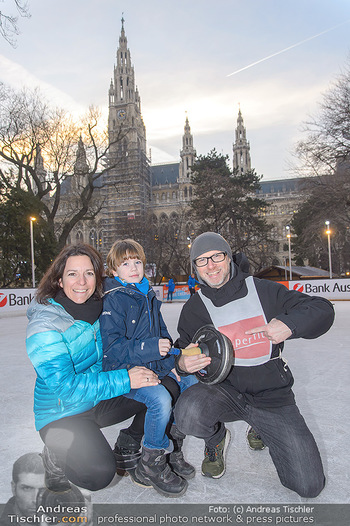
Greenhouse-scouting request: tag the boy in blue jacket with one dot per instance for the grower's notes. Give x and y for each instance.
(134, 333)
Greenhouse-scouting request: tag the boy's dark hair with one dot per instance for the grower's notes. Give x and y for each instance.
(122, 250)
(49, 285)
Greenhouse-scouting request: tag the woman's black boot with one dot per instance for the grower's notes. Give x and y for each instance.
(55, 478)
(127, 451)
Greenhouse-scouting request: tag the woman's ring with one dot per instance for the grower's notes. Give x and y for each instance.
(147, 379)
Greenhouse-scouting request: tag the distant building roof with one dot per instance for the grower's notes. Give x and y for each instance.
(279, 272)
(276, 186)
(166, 173)
(66, 185)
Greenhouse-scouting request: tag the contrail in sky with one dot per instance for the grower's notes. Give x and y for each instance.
(287, 48)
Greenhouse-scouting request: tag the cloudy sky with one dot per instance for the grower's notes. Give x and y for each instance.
(273, 58)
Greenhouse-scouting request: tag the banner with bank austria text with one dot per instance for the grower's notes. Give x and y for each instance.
(16, 301)
(332, 289)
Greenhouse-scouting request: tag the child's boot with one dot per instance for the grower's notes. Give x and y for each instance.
(153, 469)
(176, 457)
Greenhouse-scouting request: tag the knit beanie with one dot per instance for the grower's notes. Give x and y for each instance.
(207, 242)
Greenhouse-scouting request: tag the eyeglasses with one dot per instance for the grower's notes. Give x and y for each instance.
(216, 258)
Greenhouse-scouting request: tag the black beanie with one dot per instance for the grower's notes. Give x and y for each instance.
(209, 241)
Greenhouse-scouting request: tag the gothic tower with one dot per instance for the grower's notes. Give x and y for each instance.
(241, 148)
(187, 154)
(127, 183)
(81, 169)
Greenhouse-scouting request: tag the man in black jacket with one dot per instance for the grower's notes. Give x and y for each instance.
(258, 316)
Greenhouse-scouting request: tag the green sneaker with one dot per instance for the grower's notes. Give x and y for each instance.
(213, 465)
(254, 440)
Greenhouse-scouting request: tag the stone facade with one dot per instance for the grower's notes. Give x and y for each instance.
(139, 196)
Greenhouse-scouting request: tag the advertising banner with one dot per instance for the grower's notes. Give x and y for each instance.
(181, 292)
(332, 289)
(15, 301)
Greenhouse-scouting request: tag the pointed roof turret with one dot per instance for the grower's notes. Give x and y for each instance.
(187, 154)
(241, 147)
(81, 166)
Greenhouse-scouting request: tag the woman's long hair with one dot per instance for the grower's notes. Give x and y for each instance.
(49, 285)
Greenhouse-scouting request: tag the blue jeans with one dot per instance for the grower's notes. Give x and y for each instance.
(159, 410)
(202, 410)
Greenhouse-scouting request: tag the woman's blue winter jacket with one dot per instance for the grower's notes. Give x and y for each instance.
(67, 357)
(131, 326)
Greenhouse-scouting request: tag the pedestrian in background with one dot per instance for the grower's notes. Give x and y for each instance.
(191, 282)
(171, 288)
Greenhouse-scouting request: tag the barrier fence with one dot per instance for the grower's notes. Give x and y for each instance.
(16, 301)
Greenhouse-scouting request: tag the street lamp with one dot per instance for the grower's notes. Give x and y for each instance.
(328, 232)
(189, 248)
(289, 252)
(32, 219)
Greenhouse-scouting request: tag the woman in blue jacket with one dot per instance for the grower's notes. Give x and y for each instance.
(73, 397)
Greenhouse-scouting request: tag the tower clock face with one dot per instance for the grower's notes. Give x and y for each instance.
(121, 114)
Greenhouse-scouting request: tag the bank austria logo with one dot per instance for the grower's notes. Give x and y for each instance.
(3, 299)
(299, 287)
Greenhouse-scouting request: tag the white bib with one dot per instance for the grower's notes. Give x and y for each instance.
(235, 318)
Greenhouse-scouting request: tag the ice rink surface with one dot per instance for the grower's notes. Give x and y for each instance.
(321, 369)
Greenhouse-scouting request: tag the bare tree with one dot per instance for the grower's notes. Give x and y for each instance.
(166, 243)
(324, 155)
(327, 134)
(9, 21)
(38, 150)
(326, 198)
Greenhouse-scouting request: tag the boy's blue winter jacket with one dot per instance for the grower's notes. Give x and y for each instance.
(131, 326)
(67, 357)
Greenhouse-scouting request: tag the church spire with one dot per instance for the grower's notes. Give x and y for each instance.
(187, 154)
(128, 171)
(241, 147)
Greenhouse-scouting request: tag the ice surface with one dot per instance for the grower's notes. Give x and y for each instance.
(321, 370)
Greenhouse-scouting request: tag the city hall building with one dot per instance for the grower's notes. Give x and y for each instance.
(138, 196)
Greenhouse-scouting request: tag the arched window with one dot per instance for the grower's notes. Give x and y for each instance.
(79, 237)
(175, 225)
(163, 226)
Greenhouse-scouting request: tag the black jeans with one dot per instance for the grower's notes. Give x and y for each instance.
(82, 449)
(202, 410)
